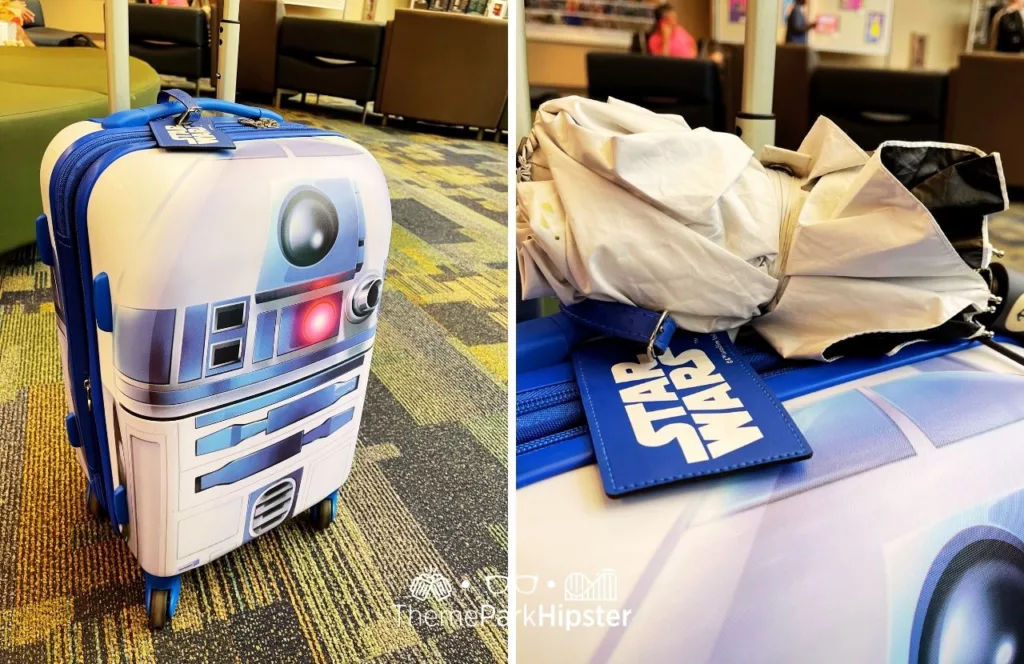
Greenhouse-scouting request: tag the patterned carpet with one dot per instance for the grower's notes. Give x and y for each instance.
(427, 491)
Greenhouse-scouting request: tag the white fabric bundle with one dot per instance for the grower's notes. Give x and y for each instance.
(829, 243)
(634, 207)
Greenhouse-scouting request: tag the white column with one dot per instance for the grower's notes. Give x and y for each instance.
(972, 28)
(524, 116)
(227, 55)
(756, 122)
(115, 22)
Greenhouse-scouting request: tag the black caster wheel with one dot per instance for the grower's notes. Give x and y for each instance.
(159, 609)
(321, 515)
(93, 507)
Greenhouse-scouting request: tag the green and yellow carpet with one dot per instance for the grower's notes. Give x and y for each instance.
(427, 493)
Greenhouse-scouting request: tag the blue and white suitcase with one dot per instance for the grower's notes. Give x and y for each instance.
(900, 540)
(216, 314)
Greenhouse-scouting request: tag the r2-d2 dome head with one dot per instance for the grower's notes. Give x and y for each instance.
(319, 239)
(308, 227)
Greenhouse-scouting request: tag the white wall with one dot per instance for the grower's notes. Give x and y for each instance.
(78, 15)
(87, 15)
(945, 22)
(353, 9)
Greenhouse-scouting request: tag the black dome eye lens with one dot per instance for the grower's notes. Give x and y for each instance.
(309, 227)
(974, 614)
(365, 299)
(373, 294)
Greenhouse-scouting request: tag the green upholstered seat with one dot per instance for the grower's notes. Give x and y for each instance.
(43, 90)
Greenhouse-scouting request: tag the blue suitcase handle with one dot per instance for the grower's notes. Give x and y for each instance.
(139, 117)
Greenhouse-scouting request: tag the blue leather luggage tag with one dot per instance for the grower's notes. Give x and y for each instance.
(196, 135)
(698, 410)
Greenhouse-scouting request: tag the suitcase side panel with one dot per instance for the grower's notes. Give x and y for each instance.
(64, 280)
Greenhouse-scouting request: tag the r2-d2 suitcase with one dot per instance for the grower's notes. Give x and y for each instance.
(216, 315)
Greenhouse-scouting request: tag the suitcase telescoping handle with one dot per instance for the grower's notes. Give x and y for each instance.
(177, 102)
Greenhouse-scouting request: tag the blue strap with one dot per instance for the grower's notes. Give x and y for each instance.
(140, 117)
(192, 110)
(625, 321)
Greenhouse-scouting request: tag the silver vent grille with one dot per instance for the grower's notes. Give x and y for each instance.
(272, 507)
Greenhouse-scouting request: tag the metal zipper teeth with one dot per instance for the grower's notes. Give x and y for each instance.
(552, 440)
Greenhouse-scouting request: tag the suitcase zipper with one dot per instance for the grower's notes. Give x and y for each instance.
(545, 413)
(535, 399)
(552, 440)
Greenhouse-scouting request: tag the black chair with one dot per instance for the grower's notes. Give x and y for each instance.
(690, 88)
(876, 105)
(43, 36)
(330, 57)
(173, 40)
(540, 95)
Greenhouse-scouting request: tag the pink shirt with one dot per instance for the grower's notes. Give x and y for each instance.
(681, 45)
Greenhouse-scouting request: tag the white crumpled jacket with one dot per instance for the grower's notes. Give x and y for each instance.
(619, 203)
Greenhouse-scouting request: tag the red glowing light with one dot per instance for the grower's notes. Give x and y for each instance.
(320, 321)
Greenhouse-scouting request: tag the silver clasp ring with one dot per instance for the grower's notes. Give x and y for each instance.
(188, 112)
(654, 335)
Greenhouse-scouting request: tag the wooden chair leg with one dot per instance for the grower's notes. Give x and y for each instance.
(197, 87)
(384, 121)
(277, 98)
(480, 134)
(366, 110)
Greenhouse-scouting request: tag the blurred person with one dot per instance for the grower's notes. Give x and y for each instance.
(571, 9)
(797, 25)
(1008, 28)
(667, 37)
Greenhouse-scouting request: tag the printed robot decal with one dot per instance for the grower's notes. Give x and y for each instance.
(245, 287)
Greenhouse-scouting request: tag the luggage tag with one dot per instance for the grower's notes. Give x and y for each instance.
(188, 130)
(696, 410)
(200, 134)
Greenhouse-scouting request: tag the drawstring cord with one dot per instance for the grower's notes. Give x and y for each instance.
(987, 340)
